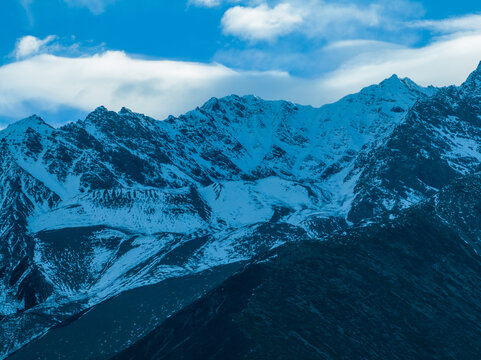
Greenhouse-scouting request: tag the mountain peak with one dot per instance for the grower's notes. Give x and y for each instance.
(97, 115)
(125, 111)
(20, 127)
(479, 67)
(392, 82)
(396, 84)
(101, 109)
(472, 85)
(395, 79)
(33, 119)
(216, 104)
(33, 122)
(476, 72)
(230, 99)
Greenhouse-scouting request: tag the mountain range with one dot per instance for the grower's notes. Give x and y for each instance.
(247, 229)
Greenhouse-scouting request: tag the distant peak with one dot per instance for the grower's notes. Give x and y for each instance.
(473, 82)
(97, 114)
(34, 122)
(34, 118)
(214, 102)
(393, 80)
(211, 102)
(232, 97)
(101, 109)
(476, 72)
(396, 79)
(244, 98)
(125, 111)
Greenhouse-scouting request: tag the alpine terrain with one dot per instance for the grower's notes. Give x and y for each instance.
(247, 229)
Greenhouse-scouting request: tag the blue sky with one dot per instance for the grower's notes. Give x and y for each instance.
(62, 58)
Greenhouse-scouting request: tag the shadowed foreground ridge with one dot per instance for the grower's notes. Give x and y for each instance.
(407, 289)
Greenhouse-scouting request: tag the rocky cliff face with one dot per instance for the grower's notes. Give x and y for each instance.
(120, 201)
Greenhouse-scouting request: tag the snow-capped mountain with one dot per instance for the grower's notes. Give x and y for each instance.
(118, 202)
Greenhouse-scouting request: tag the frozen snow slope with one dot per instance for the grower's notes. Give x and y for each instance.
(120, 200)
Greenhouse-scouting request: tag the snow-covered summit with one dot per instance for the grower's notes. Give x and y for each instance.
(18, 128)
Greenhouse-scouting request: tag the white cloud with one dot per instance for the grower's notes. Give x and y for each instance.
(470, 22)
(324, 15)
(429, 65)
(95, 6)
(313, 18)
(211, 3)
(26, 5)
(206, 3)
(360, 43)
(261, 22)
(114, 79)
(304, 62)
(30, 45)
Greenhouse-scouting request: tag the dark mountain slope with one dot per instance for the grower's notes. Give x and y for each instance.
(101, 331)
(406, 289)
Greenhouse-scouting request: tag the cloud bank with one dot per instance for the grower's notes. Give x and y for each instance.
(160, 87)
(114, 79)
